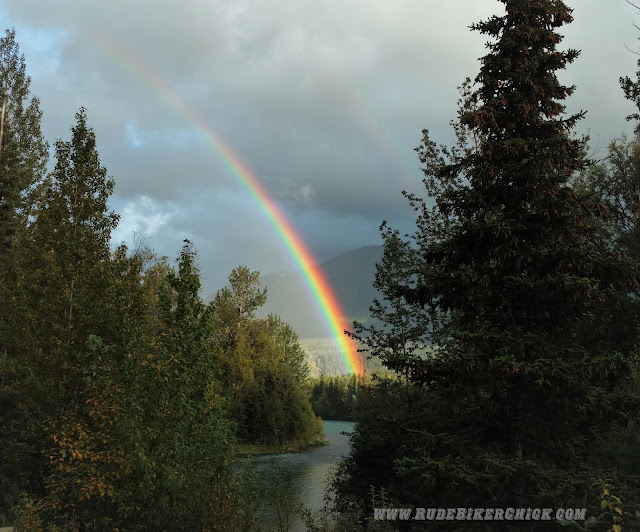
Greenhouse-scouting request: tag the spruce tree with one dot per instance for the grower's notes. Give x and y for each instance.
(525, 384)
(397, 333)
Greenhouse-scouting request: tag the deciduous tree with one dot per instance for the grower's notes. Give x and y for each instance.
(24, 150)
(54, 303)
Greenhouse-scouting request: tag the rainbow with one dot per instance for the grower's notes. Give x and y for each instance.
(314, 278)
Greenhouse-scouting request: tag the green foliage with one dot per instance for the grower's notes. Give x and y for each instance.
(54, 303)
(611, 506)
(174, 420)
(616, 181)
(24, 150)
(24, 159)
(236, 304)
(388, 427)
(262, 366)
(125, 424)
(121, 392)
(530, 314)
(337, 398)
(611, 512)
(400, 342)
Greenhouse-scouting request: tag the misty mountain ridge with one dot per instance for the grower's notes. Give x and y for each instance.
(350, 276)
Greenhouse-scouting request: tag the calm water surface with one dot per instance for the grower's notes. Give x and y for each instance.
(299, 477)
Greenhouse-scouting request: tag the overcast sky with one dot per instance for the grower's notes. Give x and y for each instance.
(324, 100)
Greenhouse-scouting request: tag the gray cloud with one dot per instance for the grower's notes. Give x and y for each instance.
(323, 101)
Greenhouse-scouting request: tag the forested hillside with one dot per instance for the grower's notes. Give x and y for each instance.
(324, 357)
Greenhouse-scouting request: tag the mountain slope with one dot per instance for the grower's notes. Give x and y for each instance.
(350, 275)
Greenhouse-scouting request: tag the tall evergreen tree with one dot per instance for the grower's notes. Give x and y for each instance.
(234, 307)
(511, 266)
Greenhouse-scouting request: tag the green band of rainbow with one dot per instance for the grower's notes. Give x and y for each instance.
(320, 289)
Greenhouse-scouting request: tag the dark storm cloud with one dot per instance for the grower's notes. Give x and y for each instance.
(324, 101)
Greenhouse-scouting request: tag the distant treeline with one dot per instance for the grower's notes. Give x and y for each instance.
(338, 398)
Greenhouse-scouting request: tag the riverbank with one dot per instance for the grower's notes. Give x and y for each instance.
(249, 449)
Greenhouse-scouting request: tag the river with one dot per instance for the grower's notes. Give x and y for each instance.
(297, 478)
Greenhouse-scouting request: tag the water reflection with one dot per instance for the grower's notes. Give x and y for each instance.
(286, 481)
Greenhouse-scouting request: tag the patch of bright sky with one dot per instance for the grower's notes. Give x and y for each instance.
(176, 137)
(133, 135)
(42, 47)
(167, 223)
(143, 215)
